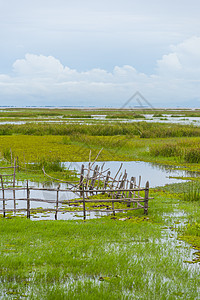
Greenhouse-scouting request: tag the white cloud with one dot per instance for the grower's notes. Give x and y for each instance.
(45, 80)
(38, 65)
(183, 61)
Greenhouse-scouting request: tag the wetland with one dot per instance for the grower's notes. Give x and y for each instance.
(126, 256)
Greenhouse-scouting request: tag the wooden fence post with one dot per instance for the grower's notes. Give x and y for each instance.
(124, 184)
(146, 198)
(57, 201)
(84, 213)
(130, 192)
(3, 196)
(14, 186)
(121, 186)
(139, 186)
(28, 201)
(81, 179)
(134, 186)
(93, 179)
(106, 182)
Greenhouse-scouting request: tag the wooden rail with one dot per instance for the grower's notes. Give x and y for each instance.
(129, 200)
(117, 189)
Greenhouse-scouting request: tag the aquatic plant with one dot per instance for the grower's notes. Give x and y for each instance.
(192, 155)
(48, 164)
(7, 154)
(142, 129)
(165, 149)
(192, 193)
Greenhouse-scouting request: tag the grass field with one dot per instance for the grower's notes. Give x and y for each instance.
(130, 256)
(106, 258)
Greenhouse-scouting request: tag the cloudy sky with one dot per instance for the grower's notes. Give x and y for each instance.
(99, 53)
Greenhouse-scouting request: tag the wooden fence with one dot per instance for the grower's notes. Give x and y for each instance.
(113, 191)
(128, 197)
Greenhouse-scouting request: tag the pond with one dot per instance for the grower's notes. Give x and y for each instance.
(102, 119)
(44, 195)
(157, 175)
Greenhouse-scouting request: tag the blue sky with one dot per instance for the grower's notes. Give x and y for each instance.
(99, 53)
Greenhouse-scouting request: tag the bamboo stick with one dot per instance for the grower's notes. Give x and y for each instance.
(146, 198)
(3, 196)
(84, 213)
(130, 192)
(57, 201)
(14, 186)
(76, 201)
(93, 179)
(28, 201)
(106, 182)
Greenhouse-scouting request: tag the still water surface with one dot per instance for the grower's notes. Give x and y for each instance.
(156, 174)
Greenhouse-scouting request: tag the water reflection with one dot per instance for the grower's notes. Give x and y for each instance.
(156, 174)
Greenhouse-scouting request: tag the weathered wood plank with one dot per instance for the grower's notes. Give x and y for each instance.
(57, 201)
(28, 201)
(146, 198)
(3, 196)
(84, 212)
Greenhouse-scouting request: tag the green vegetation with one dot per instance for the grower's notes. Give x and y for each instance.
(186, 150)
(46, 112)
(97, 259)
(127, 256)
(140, 129)
(158, 115)
(192, 192)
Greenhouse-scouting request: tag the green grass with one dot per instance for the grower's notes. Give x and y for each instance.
(106, 258)
(171, 151)
(182, 149)
(192, 192)
(142, 129)
(97, 259)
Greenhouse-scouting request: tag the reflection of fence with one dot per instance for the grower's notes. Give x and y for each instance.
(129, 198)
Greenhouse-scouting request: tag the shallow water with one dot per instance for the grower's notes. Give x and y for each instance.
(46, 195)
(157, 175)
(102, 119)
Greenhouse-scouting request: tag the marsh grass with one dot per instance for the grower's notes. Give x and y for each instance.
(104, 258)
(142, 129)
(192, 192)
(186, 150)
(76, 147)
(192, 155)
(49, 165)
(7, 154)
(98, 259)
(124, 115)
(158, 115)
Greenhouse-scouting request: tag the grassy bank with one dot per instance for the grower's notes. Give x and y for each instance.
(172, 151)
(130, 256)
(141, 129)
(98, 259)
(67, 112)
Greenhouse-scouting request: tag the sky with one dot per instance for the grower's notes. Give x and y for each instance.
(99, 53)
